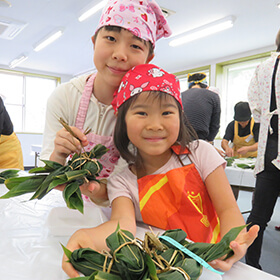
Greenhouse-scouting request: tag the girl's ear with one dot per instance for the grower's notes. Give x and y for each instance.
(93, 40)
(150, 57)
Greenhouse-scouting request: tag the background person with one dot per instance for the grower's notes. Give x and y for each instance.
(264, 100)
(10, 147)
(6, 125)
(202, 107)
(242, 132)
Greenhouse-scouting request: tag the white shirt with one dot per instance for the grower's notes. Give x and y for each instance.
(259, 95)
(64, 102)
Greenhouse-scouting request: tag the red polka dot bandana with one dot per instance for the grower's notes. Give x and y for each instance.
(146, 77)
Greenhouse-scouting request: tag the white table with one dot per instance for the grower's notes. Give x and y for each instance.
(241, 177)
(31, 233)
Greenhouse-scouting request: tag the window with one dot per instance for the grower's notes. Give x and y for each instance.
(236, 80)
(26, 99)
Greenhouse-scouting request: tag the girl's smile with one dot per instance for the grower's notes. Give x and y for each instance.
(153, 125)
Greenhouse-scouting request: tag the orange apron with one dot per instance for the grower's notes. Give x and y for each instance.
(247, 140)
(10, 152)
(179, 199)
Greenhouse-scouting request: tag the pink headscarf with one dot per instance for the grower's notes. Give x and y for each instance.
(143, 18)
(146, 77)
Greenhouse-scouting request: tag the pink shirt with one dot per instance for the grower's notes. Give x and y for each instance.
(205, 158)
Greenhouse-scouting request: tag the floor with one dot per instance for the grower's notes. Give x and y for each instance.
(270, 258)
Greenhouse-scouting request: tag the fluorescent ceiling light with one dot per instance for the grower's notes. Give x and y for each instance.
(278, 5)
(92, 10)
(48, 40)
(18, 60)
(203, 31)
(5, 4)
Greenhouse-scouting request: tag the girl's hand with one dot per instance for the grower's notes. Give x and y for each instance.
(239, 247)
(82, 238)
(66, 144)
(97, 192)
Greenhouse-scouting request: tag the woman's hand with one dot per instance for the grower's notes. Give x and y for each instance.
(66, 144)
(243, 150)
(239, 247)
(229, 152)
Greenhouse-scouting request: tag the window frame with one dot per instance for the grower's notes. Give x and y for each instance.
(24, 75)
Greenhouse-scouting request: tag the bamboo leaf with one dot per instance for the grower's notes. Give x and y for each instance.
(15, 181)
(78, 170)
(67, 252)
(10, 173)
(51, 164)
(24, 187)
(75, 175)
(98, 151)
(73, 197)
(210, 252)
(151, 267)
(56, 182)
(43, 189)
(88, 261)
(92, 168)
(191, 267)
(177, 234)
(171, 275)
(100, 275)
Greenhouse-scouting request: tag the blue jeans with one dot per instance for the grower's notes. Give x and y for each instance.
(266, 193)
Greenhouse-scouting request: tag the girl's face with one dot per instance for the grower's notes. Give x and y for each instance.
(153, 124)
(117, 52)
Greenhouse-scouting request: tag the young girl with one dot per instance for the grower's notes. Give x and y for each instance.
(125, 37)
(171, 181)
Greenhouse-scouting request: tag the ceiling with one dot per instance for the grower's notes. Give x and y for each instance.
(255, 27)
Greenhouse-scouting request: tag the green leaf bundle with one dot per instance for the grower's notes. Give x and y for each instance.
(81, 168)
(151, 258)
(8, 174)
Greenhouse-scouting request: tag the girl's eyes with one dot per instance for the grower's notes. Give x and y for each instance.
(111, 38)
(141, 113)
(166, 113)
(136, 47)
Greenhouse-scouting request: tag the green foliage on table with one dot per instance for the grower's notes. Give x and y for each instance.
(81, 168)
(130, 258)
(245, 166)
(244, 163)
(8, 174)
(230, 160)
